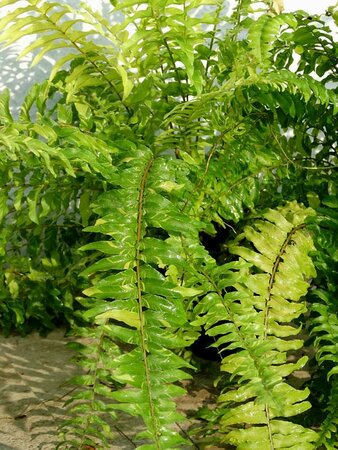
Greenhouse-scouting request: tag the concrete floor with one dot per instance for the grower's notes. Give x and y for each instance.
(33, 372)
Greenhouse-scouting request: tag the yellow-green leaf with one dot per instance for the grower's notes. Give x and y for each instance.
(128, 317)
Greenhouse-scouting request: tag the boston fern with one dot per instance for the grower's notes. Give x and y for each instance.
(269, 279)
(173, 177)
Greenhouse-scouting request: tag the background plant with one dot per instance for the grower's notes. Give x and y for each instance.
(201, 168)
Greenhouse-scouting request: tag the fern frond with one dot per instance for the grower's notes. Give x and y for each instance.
(91, 422)
(16, 143)
(263, 87)
(48, 19)
(174, 127)
(264, 31)
(328, 433)
(304, 85)
(142, 308)
(5, 114)
(186, 131)
(324, 322)
(255, 322)
(325, 329)
(174, 34)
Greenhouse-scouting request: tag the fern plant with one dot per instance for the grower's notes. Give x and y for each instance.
(269, 280)
(161, 130)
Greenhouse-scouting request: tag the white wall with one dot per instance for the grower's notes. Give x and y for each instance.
(18, 75)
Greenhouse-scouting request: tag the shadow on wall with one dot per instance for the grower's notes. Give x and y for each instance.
(18, 76)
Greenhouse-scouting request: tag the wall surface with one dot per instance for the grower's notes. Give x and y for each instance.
(18, 75)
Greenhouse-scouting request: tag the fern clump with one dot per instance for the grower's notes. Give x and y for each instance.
(126, 180)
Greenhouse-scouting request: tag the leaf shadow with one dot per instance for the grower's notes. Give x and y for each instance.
(34, 371)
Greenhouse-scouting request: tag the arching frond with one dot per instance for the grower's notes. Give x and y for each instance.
(5, 114)
(325, 322)
(138, 305)
(264, 31)
(255, 323)
(327, 435)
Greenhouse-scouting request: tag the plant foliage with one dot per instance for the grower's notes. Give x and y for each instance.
(176, 174)
(269, 280)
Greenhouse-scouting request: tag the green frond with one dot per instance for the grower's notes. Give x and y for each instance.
(256, 322)
(327, 435)
(139, 305)
(168, 34)
(264, 31)
(182, 127)
(34, 103)
(325, 329)
(92, 416)
(283, 81)
(304, 85)
(325, 324)
(5, 114)
(19, 143)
